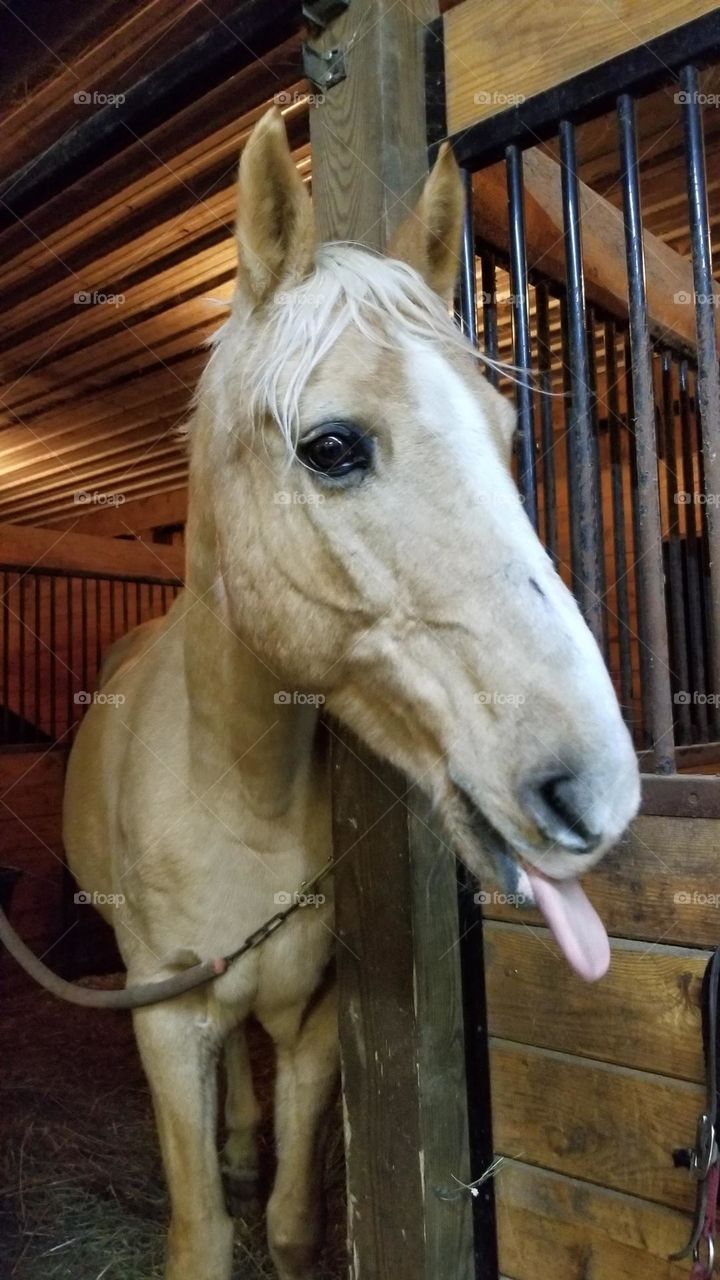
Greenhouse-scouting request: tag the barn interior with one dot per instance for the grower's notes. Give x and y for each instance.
(118, 267)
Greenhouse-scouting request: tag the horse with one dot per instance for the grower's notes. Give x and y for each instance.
(356, 546)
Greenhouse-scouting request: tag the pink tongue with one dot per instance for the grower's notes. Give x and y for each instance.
(574, 923)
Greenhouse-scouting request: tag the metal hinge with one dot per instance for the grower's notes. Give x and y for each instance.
(324, 68)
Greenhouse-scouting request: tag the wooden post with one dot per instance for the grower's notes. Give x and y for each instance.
(403, 1056)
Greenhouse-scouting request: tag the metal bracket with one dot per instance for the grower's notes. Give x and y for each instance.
(324, 69)
(319, 13)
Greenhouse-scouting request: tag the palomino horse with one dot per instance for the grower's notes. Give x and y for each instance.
(355, 537)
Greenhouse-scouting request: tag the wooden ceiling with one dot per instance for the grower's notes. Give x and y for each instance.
(93, 391)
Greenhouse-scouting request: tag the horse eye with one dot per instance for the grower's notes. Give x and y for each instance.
(336, 450)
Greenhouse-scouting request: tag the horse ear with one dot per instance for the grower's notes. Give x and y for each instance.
(274, 226)
(429, 238)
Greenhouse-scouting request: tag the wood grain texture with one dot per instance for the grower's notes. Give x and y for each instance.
(78, 552)
(601, 1123)
(645, 1014)
(660, 884)
(490, 59)
(556, 1226)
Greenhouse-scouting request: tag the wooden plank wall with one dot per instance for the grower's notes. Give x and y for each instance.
(594, 1086)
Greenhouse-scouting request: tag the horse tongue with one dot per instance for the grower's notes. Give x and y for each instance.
(574, 923)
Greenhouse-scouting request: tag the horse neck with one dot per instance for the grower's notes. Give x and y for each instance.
(238, 729)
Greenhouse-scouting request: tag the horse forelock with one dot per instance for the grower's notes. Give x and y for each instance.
(275, 350)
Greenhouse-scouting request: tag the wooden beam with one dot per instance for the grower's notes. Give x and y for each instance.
(491, 62)
(670, 288)
(401, 1035)
(25, 547)
(132, 517)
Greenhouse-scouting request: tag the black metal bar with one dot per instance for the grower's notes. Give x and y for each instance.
(676, 600)
(617, 471)
(708, 374)
(22, 611)
(477, 1072)
(643, 735)
(468, 290)
(37, 625)
(489, 311)
(521, 332)
(85, 675)
(98, 627)
(53, 660)
(545, 405)
(6, 655)
(696, 655)
(591, 93)
(249, 31)
(583, 475)
(658, 707)
(70, 652)
(125, 608)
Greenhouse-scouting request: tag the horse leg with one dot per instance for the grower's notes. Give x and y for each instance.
(307, 1068)
(178, 1045)
(242, 1116)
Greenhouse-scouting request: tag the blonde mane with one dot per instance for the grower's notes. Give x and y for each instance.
(383, 297)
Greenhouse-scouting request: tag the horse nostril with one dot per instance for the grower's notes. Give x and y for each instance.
(555, 804)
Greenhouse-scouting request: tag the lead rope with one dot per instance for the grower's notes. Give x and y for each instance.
(146, 993)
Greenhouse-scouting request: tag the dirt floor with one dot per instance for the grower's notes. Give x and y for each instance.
(81, 1188)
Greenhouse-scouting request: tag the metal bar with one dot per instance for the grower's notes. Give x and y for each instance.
(696, 655)
(468, 290)
(489, 310)
(521, 332)
(658, 707)
(53, 660)
(566, 402)
(583, 476)
(708, 375)
(622, 599)
(6, 657)
(22, 609)
(85, 674)
(676, 601)
(70, 650)
(545, 404)
(642, 734)
(477, 1072)
(37, 710)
